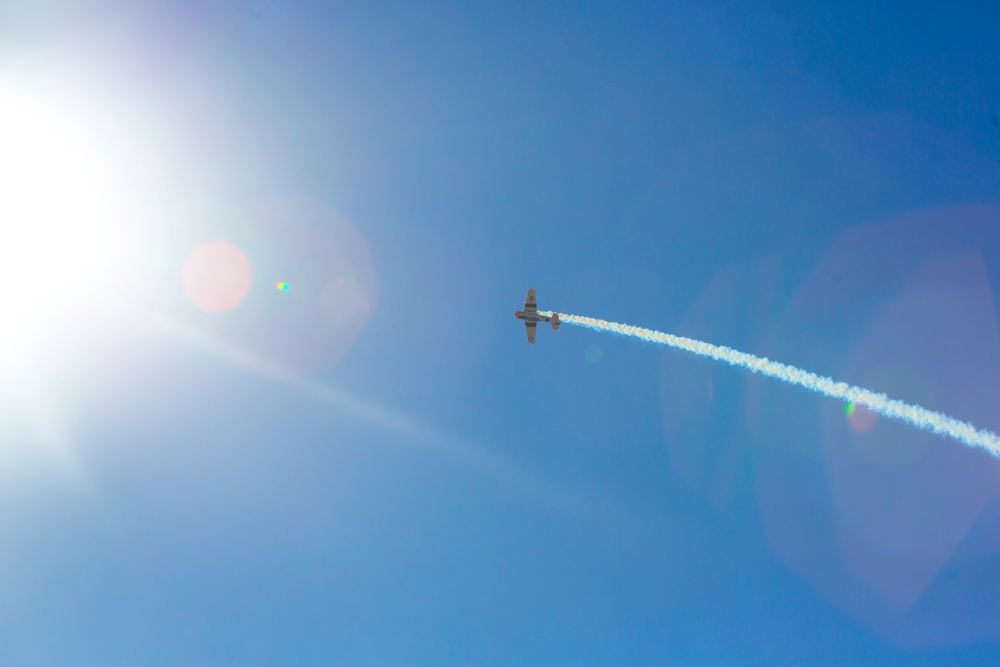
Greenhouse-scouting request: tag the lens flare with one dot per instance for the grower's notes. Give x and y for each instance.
(217, 276)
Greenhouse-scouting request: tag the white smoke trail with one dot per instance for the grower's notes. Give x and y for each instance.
(880, 403)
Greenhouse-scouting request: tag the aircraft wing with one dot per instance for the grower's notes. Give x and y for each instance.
(529, 301)
(530, 328)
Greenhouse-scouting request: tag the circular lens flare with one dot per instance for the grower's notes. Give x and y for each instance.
(328, 261)
(217, 276)
(860, 418)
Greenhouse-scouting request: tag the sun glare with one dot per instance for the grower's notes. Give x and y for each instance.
(58, 249)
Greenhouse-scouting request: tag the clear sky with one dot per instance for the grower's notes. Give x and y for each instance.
(372, 466)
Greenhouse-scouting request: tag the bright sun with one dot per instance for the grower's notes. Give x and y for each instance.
(58, 246)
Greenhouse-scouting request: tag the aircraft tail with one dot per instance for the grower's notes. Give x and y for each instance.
(555, 320)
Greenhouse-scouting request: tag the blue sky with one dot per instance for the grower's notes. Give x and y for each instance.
(373, 467)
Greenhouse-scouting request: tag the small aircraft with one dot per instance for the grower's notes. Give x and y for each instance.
(532, 317)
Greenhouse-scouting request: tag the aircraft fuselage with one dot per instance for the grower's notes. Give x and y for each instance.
(532, 316)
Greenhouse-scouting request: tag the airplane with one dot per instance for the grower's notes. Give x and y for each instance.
(532, 317)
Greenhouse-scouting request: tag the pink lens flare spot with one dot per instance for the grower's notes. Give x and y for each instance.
(216, 276)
